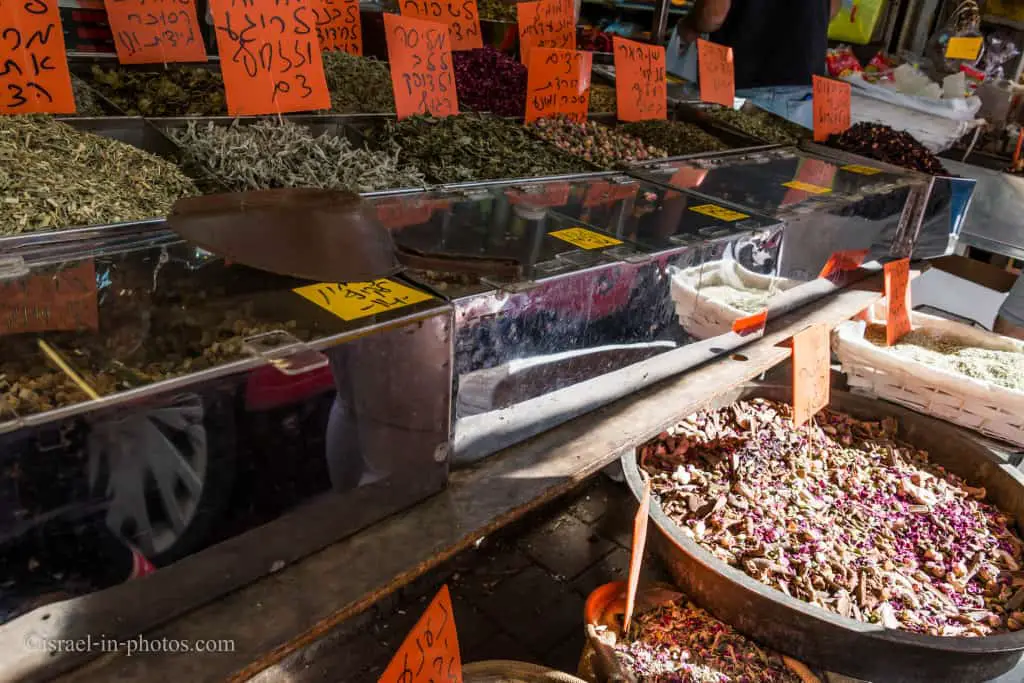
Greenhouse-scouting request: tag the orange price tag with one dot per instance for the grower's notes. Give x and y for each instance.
(831, 107)
(843, 261)
(558, 83)
(155, 31)
(636, 553)
(811, 372)
(716, 73)
(752, 324)
(462, 18)
(430, 653)
(420, 53)
(35, 76)
(640, 91)
(897, 300)
(65, 300)
(338, 25)
(546, 23)
(270, 57)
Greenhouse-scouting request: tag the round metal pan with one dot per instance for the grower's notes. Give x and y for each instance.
(826, 640)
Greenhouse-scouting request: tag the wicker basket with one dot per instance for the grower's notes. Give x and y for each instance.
(984, 407)
(705, 318)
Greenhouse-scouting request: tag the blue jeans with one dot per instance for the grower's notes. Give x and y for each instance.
(792, 102)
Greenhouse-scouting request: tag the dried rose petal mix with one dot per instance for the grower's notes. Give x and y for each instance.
(842, 515)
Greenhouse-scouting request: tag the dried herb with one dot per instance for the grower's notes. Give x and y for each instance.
(1002, 368)
(171, 91)
(896, 147)
(599, 144)
(602, 99)
(488, 80)
(54, 176)
(843, 515)
(86, 103)
(273, 154)
(497, 10)
(358, 85)
(675, 137)
(746, 300)
(472, 147)
(681, 643)
(760, 124)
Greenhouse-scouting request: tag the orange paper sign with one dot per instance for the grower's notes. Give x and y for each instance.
(65, 300)
(716, 73)
(430, 653)
(558, 83)
(897, 300)
(636, 553)
(420, 53)
(811, 372)
(338, 25)
(155, 31)
(461, 16)
(546, 23)
(34, 76)
(843, 261)
(269, 57)
(831, 107)
(640, 91)
(752, 324)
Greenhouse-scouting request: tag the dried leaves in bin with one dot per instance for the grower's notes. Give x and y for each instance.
(599, 144)
(679, 641)
(843, 515)
(86, 102)
(54, 176)
(760, 124)
(675, 137)
(171, 91)
(274, 154)
(496, 10)
(602, 99)
(896, 147)
(358, 85)
(488, 80)
(472, 147)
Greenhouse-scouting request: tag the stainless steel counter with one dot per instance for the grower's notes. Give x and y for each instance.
(995, 221)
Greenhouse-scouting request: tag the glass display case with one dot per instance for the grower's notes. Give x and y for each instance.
(156, 401)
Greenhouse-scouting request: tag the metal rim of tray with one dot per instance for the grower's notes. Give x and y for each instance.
(1004, 643)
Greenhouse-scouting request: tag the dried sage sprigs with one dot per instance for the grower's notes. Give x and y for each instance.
(358, 85)
(274, 154)
(843, 515)
(171, 91)
(54, 176)
(472, 147)
(675, 137)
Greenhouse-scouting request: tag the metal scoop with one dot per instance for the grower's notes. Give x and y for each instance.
(323, 235)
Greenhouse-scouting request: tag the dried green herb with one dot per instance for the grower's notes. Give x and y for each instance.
(272, 154)
(1002, 368)
(173, 91)
(596, 143)
(761, 124)
(496, 10)
(54, 176)
(675, 137)
(86, 103)
(472, 147)
(602, 99)
(358, 85)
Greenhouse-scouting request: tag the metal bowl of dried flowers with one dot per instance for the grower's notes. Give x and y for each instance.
(840, 543)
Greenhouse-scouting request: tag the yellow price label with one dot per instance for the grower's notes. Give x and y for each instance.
(354, 300)
(719, 212)
(863, 170)
(807, 187)
(963, 48)
(585, 239)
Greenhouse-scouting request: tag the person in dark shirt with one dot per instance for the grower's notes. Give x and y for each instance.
(777, 46)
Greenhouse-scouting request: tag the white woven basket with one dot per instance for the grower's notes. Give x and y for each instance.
(705, 318)
(984, 407)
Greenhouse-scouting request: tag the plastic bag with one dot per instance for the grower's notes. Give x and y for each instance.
(841, 61)
(999, 49)
(964, 22)
(856, 21)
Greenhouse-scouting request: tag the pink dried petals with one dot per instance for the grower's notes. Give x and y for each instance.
(841, 515)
